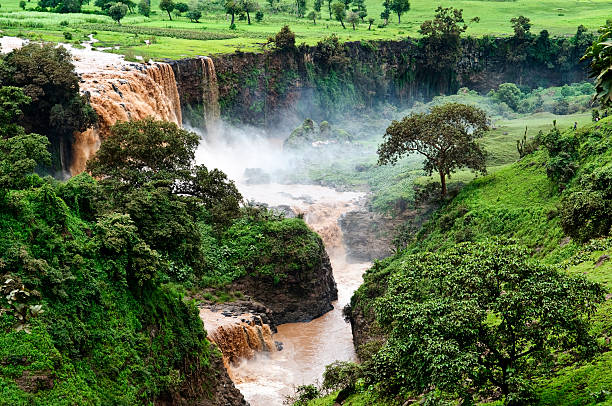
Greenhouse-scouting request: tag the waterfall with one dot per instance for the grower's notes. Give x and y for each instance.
(239, 336)
(210, 94)
(121, 95)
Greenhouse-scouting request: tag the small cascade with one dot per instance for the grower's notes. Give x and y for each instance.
(210, 94)
(242, 340)
(238, 336)
(131, 93)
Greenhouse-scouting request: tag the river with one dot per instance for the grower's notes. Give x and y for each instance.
(267, 378)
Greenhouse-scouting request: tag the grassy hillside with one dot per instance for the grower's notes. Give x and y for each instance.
(522, 203)
(214, 36)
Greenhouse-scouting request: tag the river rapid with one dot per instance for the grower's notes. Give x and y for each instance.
(269, 377)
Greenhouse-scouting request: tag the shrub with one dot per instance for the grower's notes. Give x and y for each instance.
(67, 35)
(259, 15)
(585, 215)
(340, 375)
(284, 40)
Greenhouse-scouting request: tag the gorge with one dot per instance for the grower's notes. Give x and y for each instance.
(282, 333)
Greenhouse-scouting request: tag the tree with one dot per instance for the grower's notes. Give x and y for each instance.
(22, 4)
(284, 40)
(249, 6)
(352, 18)
(312, 15)
(194, 16)
(167, 6)
(521, 27)
(600, 56)
(181, 8)
(149, 154)
(442, 38)
(117, 11)
(232, 7)
(57, 109)
(259, 15)
(510, 94)
(300, 8)
(339, 11)
(329, 8)
(144, 7)
(370, 22)
(479, 318)
(447, 137)
(399, 7)
(19, 152)
(386, 13)
(317, 5)
(360, 8)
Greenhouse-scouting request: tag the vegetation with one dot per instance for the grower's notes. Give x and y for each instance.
(600, 54)
(220, 38)
(446, 137)
(90, 269)
(524, 203)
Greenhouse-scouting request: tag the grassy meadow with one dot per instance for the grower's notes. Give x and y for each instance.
(173, 39)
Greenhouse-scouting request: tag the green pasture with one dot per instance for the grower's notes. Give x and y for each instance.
(558, 17)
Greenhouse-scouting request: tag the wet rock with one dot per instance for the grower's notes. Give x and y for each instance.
(367, 235)
(301, 296)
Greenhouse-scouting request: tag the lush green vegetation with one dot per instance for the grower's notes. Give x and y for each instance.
(95, 274)
(522, 203)
(177, 37)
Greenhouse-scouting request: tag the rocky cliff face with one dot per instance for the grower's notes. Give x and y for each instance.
(301, 296)
(214, 389)
(321, 81)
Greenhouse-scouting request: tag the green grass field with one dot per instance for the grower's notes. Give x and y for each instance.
(558, 17)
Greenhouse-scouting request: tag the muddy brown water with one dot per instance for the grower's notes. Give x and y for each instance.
(267, 378)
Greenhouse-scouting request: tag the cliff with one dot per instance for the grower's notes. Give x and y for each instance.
(330, 78)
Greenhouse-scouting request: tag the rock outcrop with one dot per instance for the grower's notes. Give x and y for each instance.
(301, 296)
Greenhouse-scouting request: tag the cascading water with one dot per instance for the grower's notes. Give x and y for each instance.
(210, 94)
(267, 377)
(131, 93)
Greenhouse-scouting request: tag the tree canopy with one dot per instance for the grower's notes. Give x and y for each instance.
(479, 318)
(600, 55)
(447, 137)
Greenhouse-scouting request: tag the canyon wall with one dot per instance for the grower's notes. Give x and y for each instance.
(332, 79)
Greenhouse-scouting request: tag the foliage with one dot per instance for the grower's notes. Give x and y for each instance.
(600, 56)
(117, 11)
(46, 75)
(508, 93)
(284, 40)
(479, 316)
(446, 137)
(160, 155)
(19, 152)
(521, 26)
(339, 11)
(167, 6)
(144, 7)
(441, 40)
(194, 16)
(399, 7)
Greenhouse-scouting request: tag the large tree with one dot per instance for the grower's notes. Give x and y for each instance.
(447, 137)
(167, 6)
(339, 11)
(478, 319)
(600, 55)
(19, 152)
(159, 154)
(57, 110)
(399, 7)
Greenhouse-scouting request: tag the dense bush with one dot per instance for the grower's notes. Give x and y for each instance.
(475, 318)
(586, 214)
